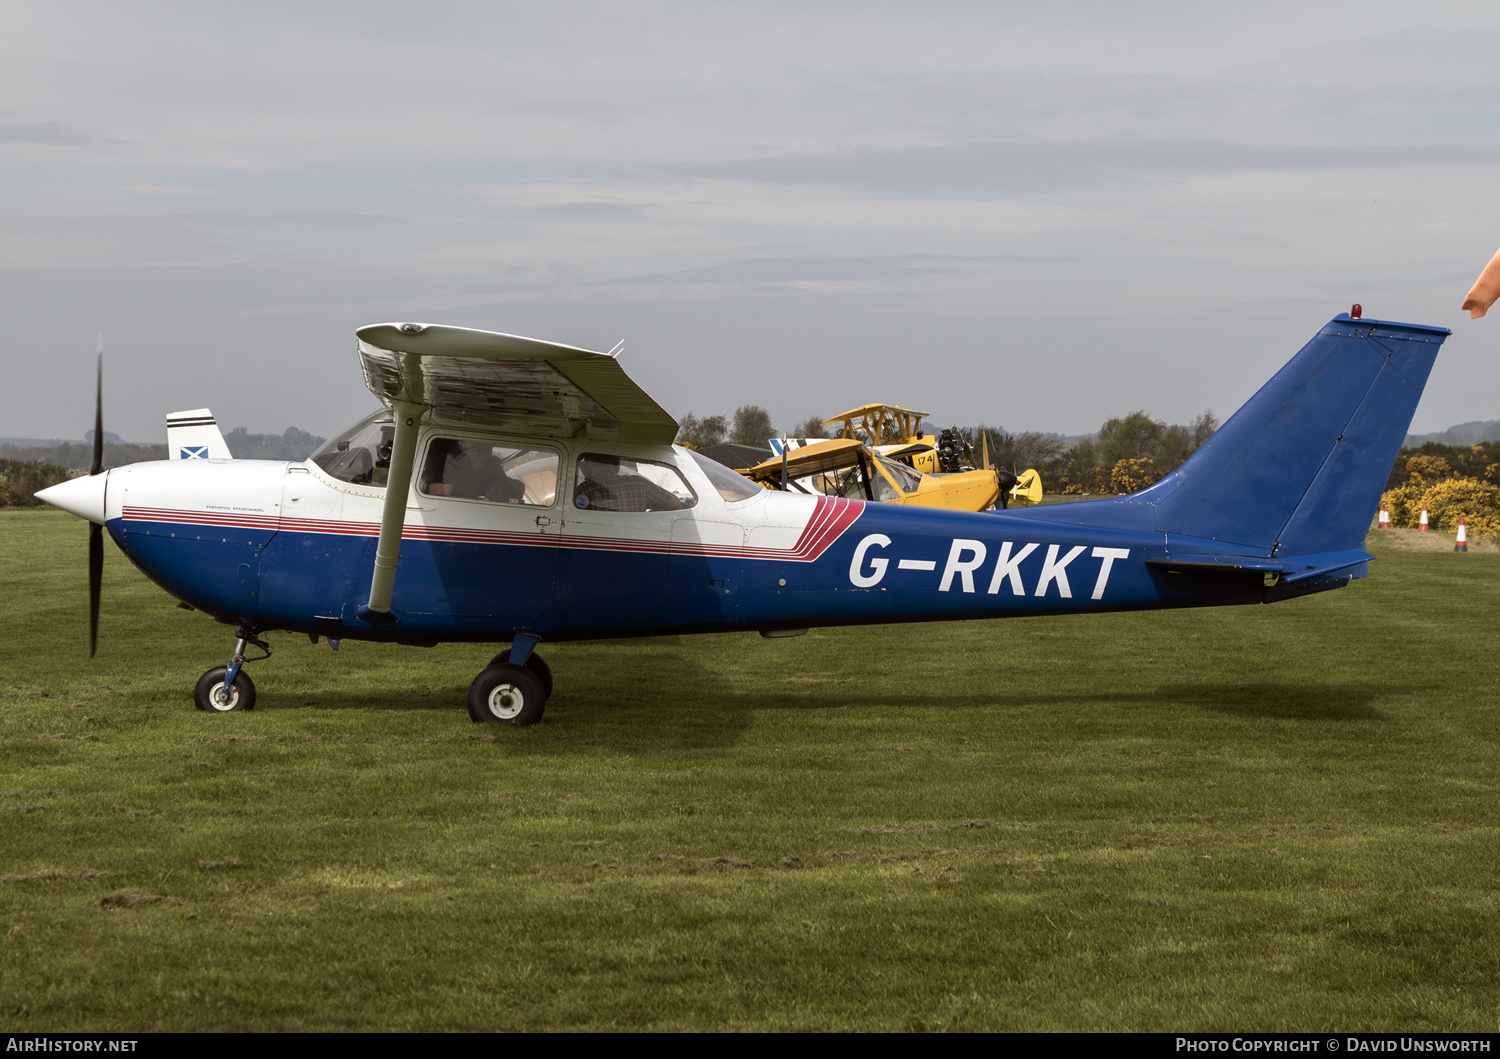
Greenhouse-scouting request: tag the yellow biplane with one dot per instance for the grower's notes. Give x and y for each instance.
(896, 433)
(892, 431)
(847, 467)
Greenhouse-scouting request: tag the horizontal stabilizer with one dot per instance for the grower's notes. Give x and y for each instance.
(1291, 569)
(193, 435)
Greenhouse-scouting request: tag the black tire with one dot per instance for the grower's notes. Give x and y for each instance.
(506, 694)
(208, 696)
(534, 662)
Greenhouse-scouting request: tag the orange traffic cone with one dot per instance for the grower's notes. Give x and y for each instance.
(1422, 523)
(1462, 544)
(1384, 522)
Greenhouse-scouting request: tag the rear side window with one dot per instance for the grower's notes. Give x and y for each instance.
(623, 483)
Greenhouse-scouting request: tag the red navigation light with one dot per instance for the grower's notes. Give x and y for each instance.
(1354, 312)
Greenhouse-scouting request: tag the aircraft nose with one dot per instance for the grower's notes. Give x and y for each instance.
(82, 496)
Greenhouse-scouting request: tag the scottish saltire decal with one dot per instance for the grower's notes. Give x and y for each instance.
(193, 452)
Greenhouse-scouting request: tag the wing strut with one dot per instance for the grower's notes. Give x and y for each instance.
(393, 514)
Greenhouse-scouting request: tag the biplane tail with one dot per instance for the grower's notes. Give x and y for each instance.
(1297, 471)
(1028, 487)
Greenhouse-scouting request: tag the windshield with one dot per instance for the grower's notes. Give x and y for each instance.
(908, 479)
(361, 455)
(731, 485)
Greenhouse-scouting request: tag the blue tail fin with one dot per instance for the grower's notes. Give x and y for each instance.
(1299, 469)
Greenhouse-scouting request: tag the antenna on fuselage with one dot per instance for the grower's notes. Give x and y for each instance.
(619, 348)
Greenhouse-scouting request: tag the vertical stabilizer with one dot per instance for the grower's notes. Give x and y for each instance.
(1299, 469)
(193, 435)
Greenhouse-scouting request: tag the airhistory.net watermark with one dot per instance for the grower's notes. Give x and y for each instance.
(42, 1043)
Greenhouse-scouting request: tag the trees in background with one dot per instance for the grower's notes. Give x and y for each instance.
(292, 444)
(1128, 453)
(813, 429)
(701, 432)
(78, 455)
(751, 425)
(1018, 452)
(20, 480)
(1131, 452)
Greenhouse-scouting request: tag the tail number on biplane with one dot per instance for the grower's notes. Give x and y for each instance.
(967, 557)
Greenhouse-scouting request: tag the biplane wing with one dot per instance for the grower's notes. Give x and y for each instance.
(882, 424)
(504, 382)
(820, 457)
(897, 452)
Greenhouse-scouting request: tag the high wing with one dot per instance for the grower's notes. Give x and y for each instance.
(484, 378)
(518, 385)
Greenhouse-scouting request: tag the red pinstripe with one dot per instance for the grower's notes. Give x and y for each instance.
(830, 518)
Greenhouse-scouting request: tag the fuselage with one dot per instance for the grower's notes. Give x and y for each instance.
(275, 545)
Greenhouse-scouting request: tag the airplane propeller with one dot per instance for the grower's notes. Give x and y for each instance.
(96, 531)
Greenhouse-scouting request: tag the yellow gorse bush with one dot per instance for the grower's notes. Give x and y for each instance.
(1478, 502)
(1132, 475)
(1432, 468)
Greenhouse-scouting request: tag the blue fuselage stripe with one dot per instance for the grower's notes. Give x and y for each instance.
(889, 566)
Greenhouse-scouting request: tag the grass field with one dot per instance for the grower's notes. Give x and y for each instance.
(1251, 818)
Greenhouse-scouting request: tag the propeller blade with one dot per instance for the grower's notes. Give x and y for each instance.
(98, 464)
(96, 578)
(96, 531)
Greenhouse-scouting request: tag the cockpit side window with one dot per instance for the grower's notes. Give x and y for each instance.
(502, 473)
(361, 455)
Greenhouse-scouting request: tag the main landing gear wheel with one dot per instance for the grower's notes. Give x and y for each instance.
(505, 693)
(535, 663)
(209, 694)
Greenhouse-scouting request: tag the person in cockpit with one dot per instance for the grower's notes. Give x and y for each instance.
(604, 485)
(468, 470)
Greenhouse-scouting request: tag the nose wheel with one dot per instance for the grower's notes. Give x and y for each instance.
(210, 695)
(228, 689)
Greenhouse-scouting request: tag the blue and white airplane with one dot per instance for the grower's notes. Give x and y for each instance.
(512, 490)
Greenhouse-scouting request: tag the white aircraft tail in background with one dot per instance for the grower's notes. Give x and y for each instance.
(193, 435)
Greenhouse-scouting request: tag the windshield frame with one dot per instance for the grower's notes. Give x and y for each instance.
(371, 428)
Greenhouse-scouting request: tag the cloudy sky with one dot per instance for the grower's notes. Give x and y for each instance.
(1032, 215)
